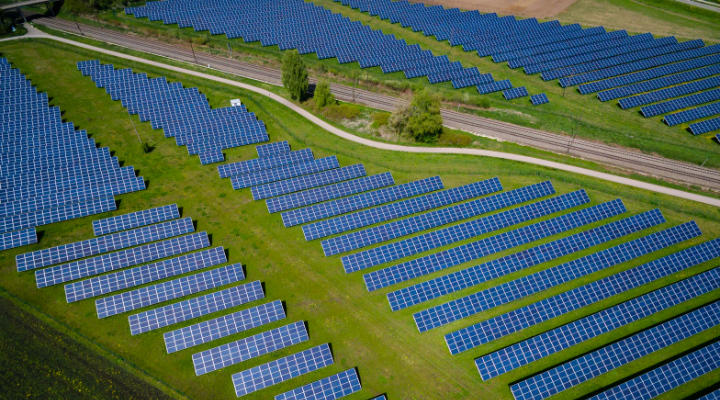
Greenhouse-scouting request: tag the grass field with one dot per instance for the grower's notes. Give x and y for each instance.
(389, 353)
(568, 112)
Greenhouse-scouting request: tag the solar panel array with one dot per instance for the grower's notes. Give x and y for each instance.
(169, 290)
(226, 325)
(326, 177)
(285, 24)
(333, 387)
(538, 99)
(103, 244)
(693, 113)
(135, 219)
(617, 354)
(273, 149)
(183, 113)
(249, 347)
(285, 172)
(668, 376)
(282, 369)
(590, 57)
(262, 163)
(50, 171)
(708, 125)
(515, 93)
(558, 339)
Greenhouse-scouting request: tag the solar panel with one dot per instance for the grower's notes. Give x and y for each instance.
(273, 149)
(540, 98)
(668, 376)
(280, 370)
(552, 277)
(468, 277)
(170, 290)
(324, 193)
(285, 172)
(333, 387)
(245, 349)
(381, 397)
(623, 314)
(195, 307)
(399, 209)
(103, 244)
(137, 276)
(307, 181)
(617, 354)
(705, 126)
(120, 259)
(582, 296)
(262, 163)
(515, 93)
(466, 230)
(56, 214)
(9, 240)
(714, 395)
(693, 113)
(226, 325)
(434, 219)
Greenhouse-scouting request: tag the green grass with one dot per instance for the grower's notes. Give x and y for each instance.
(568, 111)
(389, 353)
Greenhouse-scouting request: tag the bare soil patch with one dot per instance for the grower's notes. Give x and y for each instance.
(526, 8)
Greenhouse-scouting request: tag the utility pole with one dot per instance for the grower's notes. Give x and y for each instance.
(193, 51)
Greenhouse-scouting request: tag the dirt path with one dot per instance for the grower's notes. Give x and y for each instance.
(526, 8)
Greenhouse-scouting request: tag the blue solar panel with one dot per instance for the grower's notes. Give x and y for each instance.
(466, 230)
(170, 290)
(333, 387)
(357, 202)
(135, 219)
(668, 93)
(103, 244)
(56, 214)
(259, 164)
(307, 181)
(207, 331)
(540, 98)
(120, 259)
(563, 337)
(706, 126)
(195, 307)
(284, 172)
(693, 113)
(577, 298)
(434, 219)
(283, 369)
(515, 93)
(273, 149)
(9, 240)
(401, 208)
(317, 195)
(558, 275)
(250, 347)
(658, 83)
(137, 276)
(668, 376)
(617, 354)
(213, 156)
(468, 277)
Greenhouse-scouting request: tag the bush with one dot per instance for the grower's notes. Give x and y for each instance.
(294, 75)
(380, 119)
(420, 120)
(323, 96)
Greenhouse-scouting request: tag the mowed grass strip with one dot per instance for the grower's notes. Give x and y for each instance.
(389, 353)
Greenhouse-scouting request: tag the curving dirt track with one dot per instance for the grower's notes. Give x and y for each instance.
(526, 8)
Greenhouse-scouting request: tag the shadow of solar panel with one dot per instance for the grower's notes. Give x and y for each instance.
(135, 219)
(434, 219)
(551, 277)
(103, 244)
(170, 290)
(466, 230)
(137, 276)
(617, 354)
(307, 181)
(283, 369)
(120, 259)
(333, 387)
(250, 347)
(354, 203)
(226, 325)
(324, 193)
(669, 376)
(472, 276)
(195, 307)
(565, 336)
(582, 296)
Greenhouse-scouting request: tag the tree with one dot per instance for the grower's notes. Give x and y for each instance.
(420, 120)
(323, 96)
(294, 75)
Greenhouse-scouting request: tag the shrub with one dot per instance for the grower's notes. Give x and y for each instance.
(420, 120)
(323, 96)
